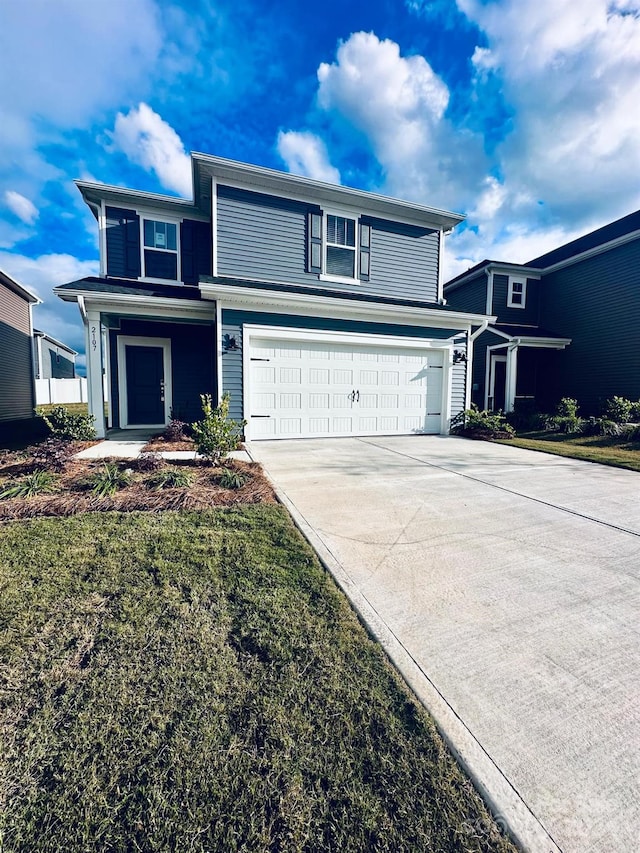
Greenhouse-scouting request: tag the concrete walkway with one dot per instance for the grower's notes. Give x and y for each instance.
(129, 444)
(505, 585)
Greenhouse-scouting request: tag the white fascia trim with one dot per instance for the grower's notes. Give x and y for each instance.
(102, 238)
(489, 303)
(590, 253)
(156, 305)
(272, 182)
(332, 307)
(94, 193)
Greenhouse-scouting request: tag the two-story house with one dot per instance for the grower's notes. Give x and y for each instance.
(17, 391)
(567, 322)
(318, 308)
(52, 358)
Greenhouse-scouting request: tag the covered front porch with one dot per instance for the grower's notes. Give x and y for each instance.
(152, 361)
(517, 368)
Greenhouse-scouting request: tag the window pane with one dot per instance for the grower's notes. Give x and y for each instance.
(171, 237)
(340, 262)
(148, 233)
(341, 230)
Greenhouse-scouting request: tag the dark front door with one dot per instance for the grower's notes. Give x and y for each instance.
(145, 385)
(499, 384)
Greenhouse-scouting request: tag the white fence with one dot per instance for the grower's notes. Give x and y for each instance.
(61, 391)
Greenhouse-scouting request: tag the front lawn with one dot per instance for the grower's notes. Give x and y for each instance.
(606, 450)
(195, 681)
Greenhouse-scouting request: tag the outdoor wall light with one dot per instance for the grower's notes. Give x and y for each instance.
(229, 343)
(459, 356)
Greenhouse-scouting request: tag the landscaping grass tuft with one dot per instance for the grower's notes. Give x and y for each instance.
(195, 681)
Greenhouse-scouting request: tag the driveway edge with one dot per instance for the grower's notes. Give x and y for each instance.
(508, 808)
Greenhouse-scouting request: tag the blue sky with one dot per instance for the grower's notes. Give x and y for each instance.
(522, 115)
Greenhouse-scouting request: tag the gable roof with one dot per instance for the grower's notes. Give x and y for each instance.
(501, 267)
(21, 291)
(37, 333)
(624, 227)
(261, 179)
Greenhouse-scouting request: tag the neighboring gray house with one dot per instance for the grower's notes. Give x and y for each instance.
(568, 322)
(52, 359)
(17, 395)
(317, 307)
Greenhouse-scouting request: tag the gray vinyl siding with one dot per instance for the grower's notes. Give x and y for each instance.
(16, 358)
(264, 237)
(404, 261)
(232, 325)
(56, 363)
(192, 363)
(529, 315)
(596, 303)
(470, 297)
(458, 384)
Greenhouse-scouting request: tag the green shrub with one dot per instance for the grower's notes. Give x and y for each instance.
(216, 434)
(232, 479)
(602, 426)
(172, 478)
(566, 419)
(475, 423)
(71, 426)
(634, 414)
(618, 409)
(148, 462)
(38, 483)
(176, 430)
(525, 417)
(108, 480)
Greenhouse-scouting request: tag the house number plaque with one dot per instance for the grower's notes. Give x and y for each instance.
(94, 341)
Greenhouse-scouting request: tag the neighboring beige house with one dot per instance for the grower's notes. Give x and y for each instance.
(17, 394)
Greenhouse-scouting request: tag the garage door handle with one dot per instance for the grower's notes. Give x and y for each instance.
(260, 416)
(357, 396)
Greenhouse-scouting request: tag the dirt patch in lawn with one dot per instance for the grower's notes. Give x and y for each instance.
(71, 491)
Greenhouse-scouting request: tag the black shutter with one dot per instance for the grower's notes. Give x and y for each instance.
(123, 243)
(365, 251)
(314, 242)
(187, 253)
(195, 250)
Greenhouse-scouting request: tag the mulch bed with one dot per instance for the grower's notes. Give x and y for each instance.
(158, 444)
(72, 495)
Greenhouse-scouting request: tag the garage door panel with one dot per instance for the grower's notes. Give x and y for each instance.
(313, 389)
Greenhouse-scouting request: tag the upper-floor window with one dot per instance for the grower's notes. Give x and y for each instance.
(160, 255)
(517, 295)
(340, 259)
(339, 247)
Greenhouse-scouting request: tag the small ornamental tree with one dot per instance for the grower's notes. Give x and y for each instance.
(216, 434)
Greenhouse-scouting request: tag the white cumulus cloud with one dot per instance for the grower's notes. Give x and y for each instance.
(21, 207)
(398, 104)
(42, 273)
(570, 72)
(152, 143)
(306, 154)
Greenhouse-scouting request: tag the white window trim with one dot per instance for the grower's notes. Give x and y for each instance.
(324, 275)
(171, 220)
(513, 279)
(123, 408)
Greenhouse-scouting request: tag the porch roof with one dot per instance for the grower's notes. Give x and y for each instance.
(125, 287)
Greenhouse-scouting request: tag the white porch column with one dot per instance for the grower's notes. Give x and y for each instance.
(94, 371)
(512, 375)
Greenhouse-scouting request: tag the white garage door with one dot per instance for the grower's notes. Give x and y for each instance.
(299, 389)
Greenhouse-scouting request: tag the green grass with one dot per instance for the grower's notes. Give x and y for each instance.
(195, 681)
(74, 408)
(592, 448)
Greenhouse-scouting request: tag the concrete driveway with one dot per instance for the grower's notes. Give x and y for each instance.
(505, 585)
